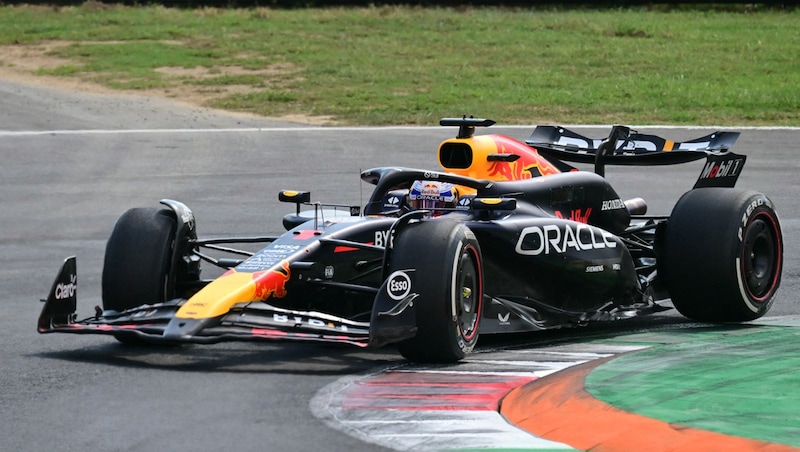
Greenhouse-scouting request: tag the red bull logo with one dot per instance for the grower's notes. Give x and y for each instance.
(578, 215)
(530, 163)
(272, 283)
(474, 158)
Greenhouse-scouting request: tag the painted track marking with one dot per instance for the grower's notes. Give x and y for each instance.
(560, 409)
(424, 408)
(304, 129)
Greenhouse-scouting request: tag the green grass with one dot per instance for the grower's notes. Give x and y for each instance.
(411, 65)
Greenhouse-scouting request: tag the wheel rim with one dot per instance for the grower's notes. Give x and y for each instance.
(760, 257)
(469, 294)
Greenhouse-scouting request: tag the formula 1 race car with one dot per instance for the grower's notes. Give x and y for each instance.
(508, 237)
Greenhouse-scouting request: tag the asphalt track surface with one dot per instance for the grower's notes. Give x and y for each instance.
(72, 163)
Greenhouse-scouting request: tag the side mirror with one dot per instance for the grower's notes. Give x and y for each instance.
(296, 197)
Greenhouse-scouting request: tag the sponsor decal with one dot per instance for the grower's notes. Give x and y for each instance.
(267, 258)
(753, 206)
(508, 171)
(300, 321)
(515, 171)
(429, 190)
(721, 170)
(728, 168)
(398, 285)
(612, 204)
(271, 283)
(382, 238)
(525, 168)
(503, 319)
(429, 197)
(66, 290)
(560, 238)
(392, 202)
(286, 248)
(188, 218)
(749, 211)
(594, 269)
(578, 215)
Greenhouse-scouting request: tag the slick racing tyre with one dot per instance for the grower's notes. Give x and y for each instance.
(444, 262)
(722, 255)
(136, 269)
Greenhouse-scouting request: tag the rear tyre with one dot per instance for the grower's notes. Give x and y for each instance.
(444, 261)
(722, 255)
(136, 269)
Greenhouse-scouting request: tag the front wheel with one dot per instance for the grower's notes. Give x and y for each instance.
(136, 269)
(723, 255)
(442, 261)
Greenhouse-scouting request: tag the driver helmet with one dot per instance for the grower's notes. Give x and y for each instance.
(426, 194)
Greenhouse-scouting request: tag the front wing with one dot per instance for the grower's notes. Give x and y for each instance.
(158, 323)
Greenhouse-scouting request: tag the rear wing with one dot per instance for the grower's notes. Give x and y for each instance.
(624, 146)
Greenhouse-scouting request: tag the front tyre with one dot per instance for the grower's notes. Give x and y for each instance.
(136, 269)
(444, 260)
(723, 255)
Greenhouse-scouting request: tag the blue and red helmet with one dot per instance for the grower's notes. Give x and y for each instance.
(426, 194)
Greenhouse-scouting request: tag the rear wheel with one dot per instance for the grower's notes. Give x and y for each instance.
(136, 269)
(442, 259)
(723, 255)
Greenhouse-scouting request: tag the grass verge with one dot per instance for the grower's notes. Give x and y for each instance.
(411, 65)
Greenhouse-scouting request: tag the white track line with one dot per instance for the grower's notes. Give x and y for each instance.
(300, 128)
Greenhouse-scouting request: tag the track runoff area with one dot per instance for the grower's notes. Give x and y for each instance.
(689, 389)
